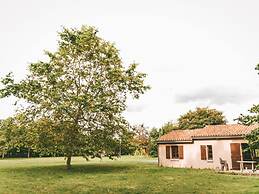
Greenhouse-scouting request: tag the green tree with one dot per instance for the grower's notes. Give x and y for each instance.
(253, 137)
(251, 119)
(47, 137)
(140, 139)
(82, 90)
(16, 135)
(201, 117)
(3, 140)
(152, 142)
(168, 127)
(253, 142)
(127, 143)
(8, 137)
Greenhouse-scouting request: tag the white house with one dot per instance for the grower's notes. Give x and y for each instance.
(208, 147)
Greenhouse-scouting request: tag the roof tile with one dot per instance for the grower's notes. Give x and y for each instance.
(208, 131)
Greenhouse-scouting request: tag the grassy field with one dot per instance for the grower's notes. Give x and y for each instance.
(126, 175)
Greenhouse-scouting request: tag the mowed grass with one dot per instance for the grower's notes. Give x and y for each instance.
(125, 175)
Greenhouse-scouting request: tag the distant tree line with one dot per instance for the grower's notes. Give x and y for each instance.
(20, 137)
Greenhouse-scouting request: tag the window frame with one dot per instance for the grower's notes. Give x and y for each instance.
(206, 156)
(207, 152)
(174, 152)
(168, 152)
(175, 148)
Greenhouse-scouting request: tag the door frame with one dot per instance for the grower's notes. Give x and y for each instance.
(235, 165)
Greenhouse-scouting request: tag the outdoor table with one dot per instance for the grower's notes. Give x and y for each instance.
(248, 162)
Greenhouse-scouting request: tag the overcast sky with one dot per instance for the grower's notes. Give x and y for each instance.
(196, 53)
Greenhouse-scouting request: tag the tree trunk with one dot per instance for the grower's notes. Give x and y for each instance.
(3, 155)
(68, 162)
(28, 154)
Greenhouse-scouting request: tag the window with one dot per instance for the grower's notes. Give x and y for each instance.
(206, 152)
(209, 150)
(174, 152)
(167, 152)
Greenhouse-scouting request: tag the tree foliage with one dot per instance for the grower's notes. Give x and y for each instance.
(251, 119)
(253, 137)
(253, 142)
(152, 142)
(16, 135)
(168, 127)
(140, 139)
(127, 143)
(3, 140)
(78, 95)
(201, 117)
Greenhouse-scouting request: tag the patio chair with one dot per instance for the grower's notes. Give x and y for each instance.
(223, 164)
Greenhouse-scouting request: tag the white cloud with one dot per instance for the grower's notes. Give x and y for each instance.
(218, 95)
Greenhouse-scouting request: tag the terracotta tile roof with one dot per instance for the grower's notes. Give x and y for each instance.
(177, 135)
(208, 131)
(224, 130)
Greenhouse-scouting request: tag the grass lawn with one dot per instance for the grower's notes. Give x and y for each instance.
(126, 175)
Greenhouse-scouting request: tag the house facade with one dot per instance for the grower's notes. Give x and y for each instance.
(208, 147)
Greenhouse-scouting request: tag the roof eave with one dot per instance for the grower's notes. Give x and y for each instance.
(173, 141)
(218, 137)
(200, 138)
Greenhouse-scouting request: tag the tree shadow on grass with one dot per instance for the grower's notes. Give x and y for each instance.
(76, 169)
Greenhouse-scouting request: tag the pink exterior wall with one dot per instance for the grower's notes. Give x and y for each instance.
(192, 154)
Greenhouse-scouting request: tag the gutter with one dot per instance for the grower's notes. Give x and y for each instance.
(175, 142)
(217, 137)
(199, 138)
